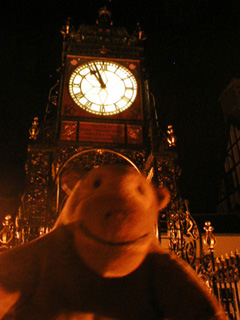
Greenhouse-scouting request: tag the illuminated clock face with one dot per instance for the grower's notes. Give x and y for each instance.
(103, 87)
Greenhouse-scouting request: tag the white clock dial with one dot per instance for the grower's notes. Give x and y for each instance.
(103, 87)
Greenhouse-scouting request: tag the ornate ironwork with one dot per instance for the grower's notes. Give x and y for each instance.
(183, 232)
(95, 39)
(35, 204)
(90, 156)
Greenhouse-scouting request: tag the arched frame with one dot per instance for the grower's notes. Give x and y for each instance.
(88, 159)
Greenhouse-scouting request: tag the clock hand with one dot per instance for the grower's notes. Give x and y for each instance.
(98, 76)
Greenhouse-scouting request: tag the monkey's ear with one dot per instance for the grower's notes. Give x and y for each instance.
(164, 197)
(69, 178)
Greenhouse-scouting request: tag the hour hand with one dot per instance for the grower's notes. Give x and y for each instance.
(98, 76)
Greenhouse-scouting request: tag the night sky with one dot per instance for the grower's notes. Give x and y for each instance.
(192, 52)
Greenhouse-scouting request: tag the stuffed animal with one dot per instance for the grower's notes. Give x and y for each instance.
(102, 260)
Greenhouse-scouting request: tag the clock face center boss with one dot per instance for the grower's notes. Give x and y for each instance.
(103, 87)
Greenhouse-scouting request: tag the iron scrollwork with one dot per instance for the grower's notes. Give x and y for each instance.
(183, 233)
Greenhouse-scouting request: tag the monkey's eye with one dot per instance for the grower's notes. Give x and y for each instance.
(97, 183)
(140, 189)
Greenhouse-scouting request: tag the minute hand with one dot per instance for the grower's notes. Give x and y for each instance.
(98, 76)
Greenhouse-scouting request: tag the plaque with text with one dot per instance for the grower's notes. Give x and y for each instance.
(101, 132)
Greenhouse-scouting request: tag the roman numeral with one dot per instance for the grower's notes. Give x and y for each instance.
(88, 104)
(104, 66)
(102, 108)
(79, 95)
(125, 99)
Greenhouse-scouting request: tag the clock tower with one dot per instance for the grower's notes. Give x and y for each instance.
(103, 102)
(99, 112)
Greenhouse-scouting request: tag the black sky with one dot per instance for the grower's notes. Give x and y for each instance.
(192, 52)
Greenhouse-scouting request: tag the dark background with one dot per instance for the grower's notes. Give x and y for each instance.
(192, 52)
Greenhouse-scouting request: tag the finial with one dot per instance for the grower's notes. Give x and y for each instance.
(7, 220)
(6, 234)
(140, 33)
(66, 28)
(210, 239)
(171, 138)
(34, 130)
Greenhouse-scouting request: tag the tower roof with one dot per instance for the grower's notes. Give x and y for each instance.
(103, 38)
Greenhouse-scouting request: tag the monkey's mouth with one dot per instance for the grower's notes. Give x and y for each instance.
(88, 234)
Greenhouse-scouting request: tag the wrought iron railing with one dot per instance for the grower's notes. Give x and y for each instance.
(221, 274)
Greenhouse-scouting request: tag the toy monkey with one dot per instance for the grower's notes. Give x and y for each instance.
(102, 260)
